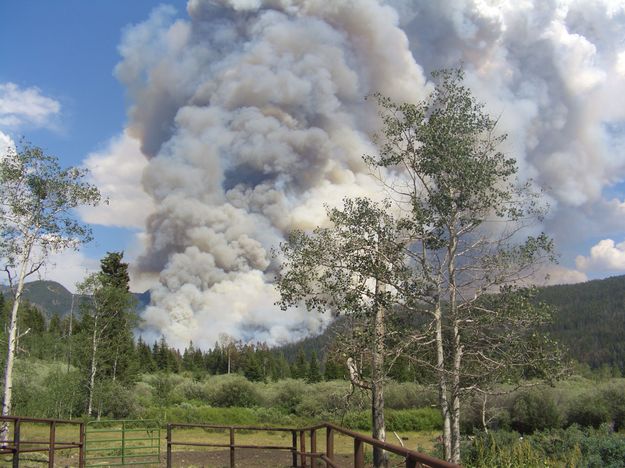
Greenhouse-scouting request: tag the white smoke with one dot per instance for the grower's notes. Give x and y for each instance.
(252, 115)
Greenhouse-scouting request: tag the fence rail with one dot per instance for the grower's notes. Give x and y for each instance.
(18, 445)
(412, 458)
(301, 438)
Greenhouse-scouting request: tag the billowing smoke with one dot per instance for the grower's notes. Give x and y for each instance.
(252, 115)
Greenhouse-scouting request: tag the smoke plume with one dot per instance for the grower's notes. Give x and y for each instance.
(252, 116)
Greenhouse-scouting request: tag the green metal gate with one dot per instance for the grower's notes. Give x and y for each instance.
(122, 443)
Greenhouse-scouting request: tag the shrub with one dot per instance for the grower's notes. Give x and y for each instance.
(290, 395)
(614, 398)
(421, 419)
(408, 395)
(236, 391)
(534, 411)
(588, 410)
(574, 446)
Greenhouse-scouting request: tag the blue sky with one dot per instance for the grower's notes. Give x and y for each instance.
(65, 52)
(68, 50)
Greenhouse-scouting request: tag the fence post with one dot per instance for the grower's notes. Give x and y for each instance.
(232, 447)
(359, 454)
(51, 445)
(169, 445)
(81, 447)
(16, 443)
(294, 448)
(411, 462)
(123, 442)
(302, 447)
(313, 447)
(329, 443)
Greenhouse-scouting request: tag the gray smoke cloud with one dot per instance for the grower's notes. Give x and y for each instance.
(252, 116)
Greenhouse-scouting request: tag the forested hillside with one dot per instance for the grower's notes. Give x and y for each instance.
(590, 320)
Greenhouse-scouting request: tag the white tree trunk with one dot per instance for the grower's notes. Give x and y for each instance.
(455, 415)
(442, 382)
(377, 382)
(94, 349)
(12, 341)
(456, 347)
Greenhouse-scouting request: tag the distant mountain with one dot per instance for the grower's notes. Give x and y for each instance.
(54, 299)
(589, 318)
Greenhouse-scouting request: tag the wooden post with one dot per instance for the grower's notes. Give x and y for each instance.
(411, 462)
(123, 442)
(359, 454)
(232, 447)
(302, 447)
(294, 448)
(16, 443)
(329, 443)
(313, 447)
(169, 465)
(51, 444)
(82, 442)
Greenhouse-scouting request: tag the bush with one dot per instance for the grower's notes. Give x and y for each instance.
(588, 411)
(574, 446)
(407, 395)
(534, 411)
(422, 419)
(614, 397)
(236, 391)
(290, 395)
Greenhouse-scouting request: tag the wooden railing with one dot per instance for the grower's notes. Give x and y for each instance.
(18, 444)
(299, 453)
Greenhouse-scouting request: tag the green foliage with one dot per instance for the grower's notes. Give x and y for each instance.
(423, 419)
(236, 391)
(561, 447)
(290, 395)
(534, 411)
(588, 410)
(314, 373)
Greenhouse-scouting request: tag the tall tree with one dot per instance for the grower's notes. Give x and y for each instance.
(120, 364)
(466, 212)
(347, 269)
(107, 322)
(37, 199)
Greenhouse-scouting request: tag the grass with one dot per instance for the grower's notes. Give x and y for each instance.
(343, 445)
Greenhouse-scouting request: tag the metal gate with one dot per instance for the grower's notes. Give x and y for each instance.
(122, 443)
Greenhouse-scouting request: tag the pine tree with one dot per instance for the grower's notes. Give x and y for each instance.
(314, 373)
(299, 369)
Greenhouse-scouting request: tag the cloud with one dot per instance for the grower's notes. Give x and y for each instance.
(117, 172)
(605, 255)
(69, 268)
(6, 143)
(556, 274)
(22, 106)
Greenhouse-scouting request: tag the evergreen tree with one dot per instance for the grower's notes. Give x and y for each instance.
(314, 373)
(299, 369)
(121, 364)
(144, 357)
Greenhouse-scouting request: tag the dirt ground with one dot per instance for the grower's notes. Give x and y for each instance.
(247, 458)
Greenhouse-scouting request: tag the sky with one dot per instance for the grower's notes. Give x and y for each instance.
(62, 54)
(216, 127)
